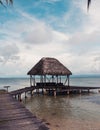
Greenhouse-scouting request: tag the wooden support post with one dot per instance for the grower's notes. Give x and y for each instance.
(80, 91)
(41, 78)
(15, 96)
(68, 80)
(88, 90)
(45, 81)
(60, 79)
(37, 90)
(45, 78)
(30, 80)
(68, 92)
(49, 90)
(34, 80)
(55, 93)
(31, 93)
(25, 95)
(44, 92)
(41, 81)
(19, 97)
(57, 78)
(52, 78)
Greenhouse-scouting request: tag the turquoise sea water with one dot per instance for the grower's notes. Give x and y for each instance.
(82, 110)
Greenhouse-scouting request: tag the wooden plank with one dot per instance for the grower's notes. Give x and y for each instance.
(14, 116)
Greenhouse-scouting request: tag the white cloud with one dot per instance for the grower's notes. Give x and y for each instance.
(40, 33)
(8, 52)
(28, 39)
(18, 54)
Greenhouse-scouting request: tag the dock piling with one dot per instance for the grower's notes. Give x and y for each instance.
(55, 93)
(80, 91)
(68, 92)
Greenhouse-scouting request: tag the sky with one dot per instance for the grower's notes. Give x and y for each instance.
(62, 29)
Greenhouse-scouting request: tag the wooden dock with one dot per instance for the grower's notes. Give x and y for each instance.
(17, 93)
(52, 88)
(14, 116)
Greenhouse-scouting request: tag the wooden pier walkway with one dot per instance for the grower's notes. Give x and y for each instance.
(14, 116)
(17, 93)
(53, 88)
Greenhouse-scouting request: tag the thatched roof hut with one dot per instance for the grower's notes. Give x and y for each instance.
(49, 67)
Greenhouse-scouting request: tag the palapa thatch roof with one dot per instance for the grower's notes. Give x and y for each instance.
(49, 66)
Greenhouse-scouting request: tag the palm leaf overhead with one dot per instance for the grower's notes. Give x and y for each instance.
(88, 3)
(11, 2)
(7, 2)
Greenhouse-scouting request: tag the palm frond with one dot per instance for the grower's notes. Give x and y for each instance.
(88, 4)
(11, 1)
(2, 3)
(7, 2)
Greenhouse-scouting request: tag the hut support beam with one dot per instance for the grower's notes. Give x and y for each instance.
(25, 95)
(45, 81)
(41, 81)
(52, 78)
(30, 80)
(34, 80)
(60, 79)
(68, 80)
(45, 78)
(57, 78)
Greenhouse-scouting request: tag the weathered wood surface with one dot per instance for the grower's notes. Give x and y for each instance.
(63, 87)
(22, 90)
(14, 116)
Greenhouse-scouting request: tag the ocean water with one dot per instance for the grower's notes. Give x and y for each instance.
(16, 83)
(68, 112)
